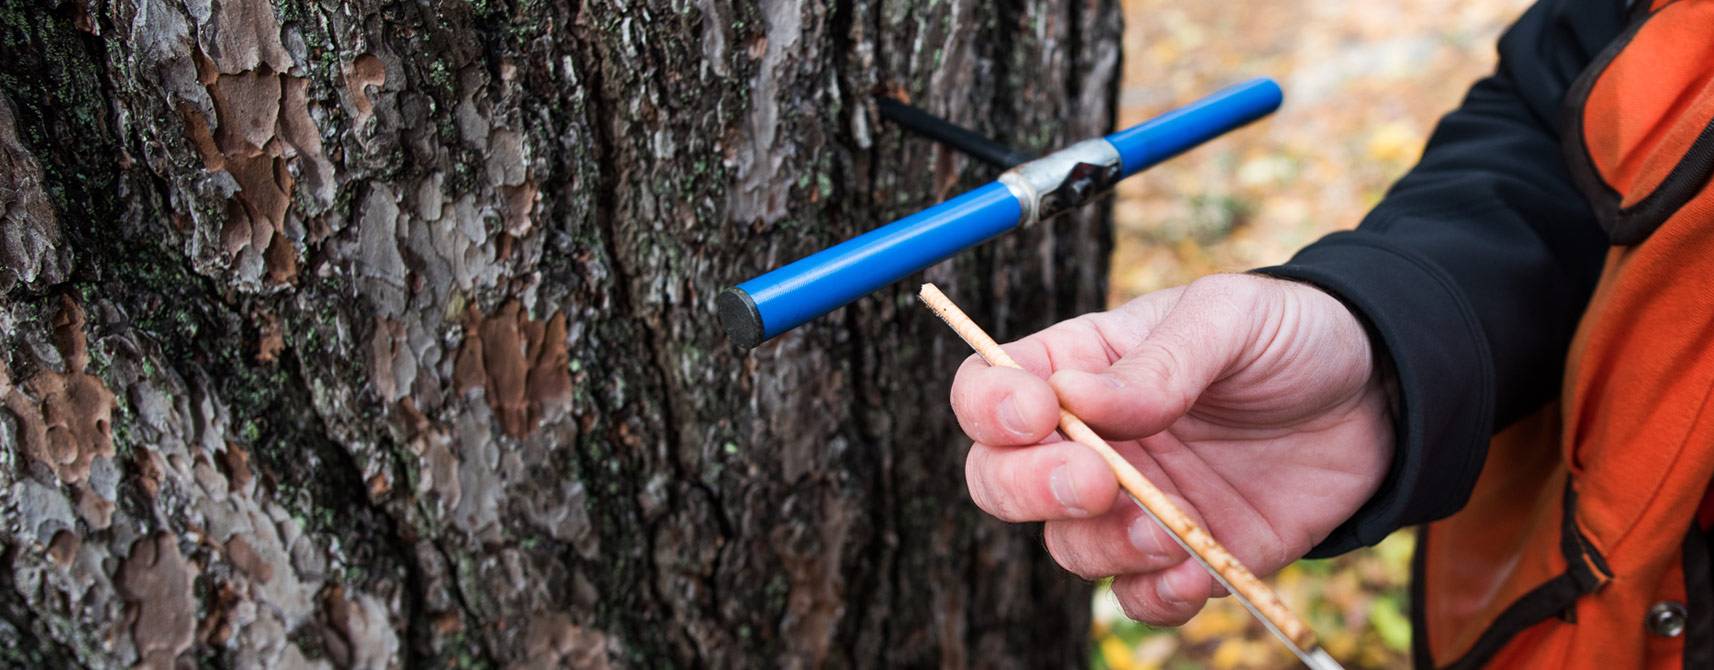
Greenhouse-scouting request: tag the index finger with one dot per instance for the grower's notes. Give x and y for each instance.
(1006, 407)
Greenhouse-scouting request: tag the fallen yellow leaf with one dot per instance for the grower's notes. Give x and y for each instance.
(1117, 654)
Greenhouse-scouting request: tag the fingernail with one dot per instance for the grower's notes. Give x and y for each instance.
(1064, 490)
(1010, 418)
(1163, 588)
(1142, 536)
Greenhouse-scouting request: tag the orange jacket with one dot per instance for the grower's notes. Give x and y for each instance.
(1546, 272)
(1580, 545)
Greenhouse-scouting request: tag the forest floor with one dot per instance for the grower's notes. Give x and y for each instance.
(1365, 83)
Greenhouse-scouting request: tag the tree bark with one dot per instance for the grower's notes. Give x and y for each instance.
(381, 334)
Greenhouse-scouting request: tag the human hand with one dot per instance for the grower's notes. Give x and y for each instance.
(1254, 403)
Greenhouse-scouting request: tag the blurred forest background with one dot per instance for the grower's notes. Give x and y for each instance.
(1365, 83)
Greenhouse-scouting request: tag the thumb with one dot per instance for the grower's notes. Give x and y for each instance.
(1201, 337)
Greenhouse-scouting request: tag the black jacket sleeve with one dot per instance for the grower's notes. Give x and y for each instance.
(1473, 271)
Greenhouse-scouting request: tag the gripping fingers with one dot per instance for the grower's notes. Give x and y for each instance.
(1159, 378)
(1057, 480)
(1122, 541)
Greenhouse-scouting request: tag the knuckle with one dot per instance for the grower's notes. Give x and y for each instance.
(1028, 352)
(1079, 328)
(994, 484)
(1018, 484)
(1161, 365)
(1158, 360)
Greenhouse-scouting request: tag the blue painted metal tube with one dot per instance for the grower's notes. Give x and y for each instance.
(827, 280)
(778, 301)
(1146, 144)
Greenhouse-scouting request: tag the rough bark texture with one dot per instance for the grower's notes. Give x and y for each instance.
(380, 333)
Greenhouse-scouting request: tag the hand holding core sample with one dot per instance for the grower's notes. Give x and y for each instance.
(1249, 446)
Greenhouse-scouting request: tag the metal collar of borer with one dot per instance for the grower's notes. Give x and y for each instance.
(1064, 179)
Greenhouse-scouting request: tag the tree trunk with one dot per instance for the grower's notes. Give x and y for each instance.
(381, 333)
